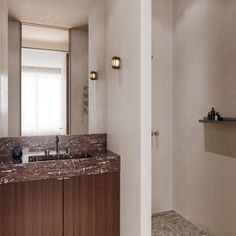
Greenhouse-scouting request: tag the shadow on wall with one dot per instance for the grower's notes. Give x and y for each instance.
(220, 139)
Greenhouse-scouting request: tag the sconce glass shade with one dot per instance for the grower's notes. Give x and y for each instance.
(116, 62)
(93, 75)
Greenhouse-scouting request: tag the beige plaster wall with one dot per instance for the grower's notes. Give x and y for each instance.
(204, 77)
(79, 79)
(3, 68)
(14, 78)
(129, 108)
(120, 100)
(97, 52)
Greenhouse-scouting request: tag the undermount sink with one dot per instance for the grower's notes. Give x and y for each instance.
(54, 157)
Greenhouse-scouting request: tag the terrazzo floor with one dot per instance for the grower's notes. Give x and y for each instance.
(172, 224)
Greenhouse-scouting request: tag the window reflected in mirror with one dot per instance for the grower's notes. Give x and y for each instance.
(43, 92)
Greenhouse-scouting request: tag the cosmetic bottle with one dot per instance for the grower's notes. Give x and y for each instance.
(17, 154)
(213, 114)
(219, 117)
(209, 116)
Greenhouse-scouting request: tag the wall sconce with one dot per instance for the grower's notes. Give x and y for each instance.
(93, 75)
(116, 62)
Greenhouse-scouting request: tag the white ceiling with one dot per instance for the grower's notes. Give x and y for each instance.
(45, 38)
(61, 13)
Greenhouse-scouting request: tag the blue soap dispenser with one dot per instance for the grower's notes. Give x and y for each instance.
(17, 154)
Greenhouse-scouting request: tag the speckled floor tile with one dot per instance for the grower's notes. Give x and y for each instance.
(172, 224)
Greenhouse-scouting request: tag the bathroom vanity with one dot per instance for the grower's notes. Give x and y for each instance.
(64, 197)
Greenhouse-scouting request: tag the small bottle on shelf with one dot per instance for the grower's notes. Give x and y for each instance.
(209, 116)
(213, 114)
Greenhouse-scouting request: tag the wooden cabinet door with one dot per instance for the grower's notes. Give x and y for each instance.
(31, 208)
(92, 205)
(7, 210)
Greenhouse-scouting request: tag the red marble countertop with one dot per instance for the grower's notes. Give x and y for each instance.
(100, 162)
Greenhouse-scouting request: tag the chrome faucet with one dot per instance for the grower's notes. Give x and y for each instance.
(57, 144)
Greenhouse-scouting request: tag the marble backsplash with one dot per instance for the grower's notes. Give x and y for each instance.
(77, 143)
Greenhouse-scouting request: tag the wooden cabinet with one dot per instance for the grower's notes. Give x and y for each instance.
(79, 206)
(31, 208)
(92, 205)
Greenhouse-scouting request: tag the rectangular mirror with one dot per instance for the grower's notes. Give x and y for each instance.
(48, 67)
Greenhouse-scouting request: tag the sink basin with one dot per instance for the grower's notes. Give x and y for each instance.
(54, 157)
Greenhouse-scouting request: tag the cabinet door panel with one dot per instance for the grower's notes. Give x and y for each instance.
(91, 205)
(7, 210)
(108, 205)
(79, 206)
(31, 208)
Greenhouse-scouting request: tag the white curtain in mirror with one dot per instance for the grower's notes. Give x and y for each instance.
(43, 99)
